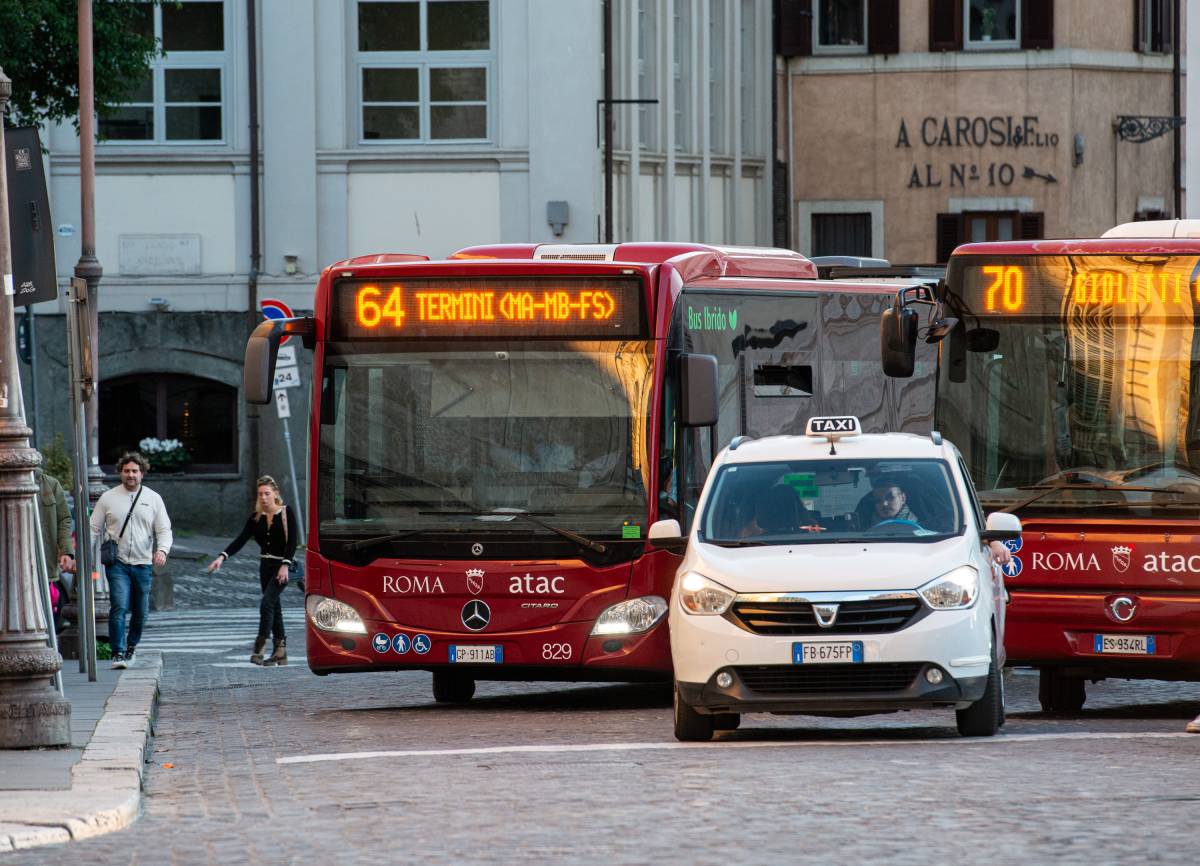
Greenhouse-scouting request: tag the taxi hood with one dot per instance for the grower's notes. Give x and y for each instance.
(827, 567)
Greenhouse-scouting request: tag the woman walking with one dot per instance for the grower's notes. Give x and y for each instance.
(271, 525)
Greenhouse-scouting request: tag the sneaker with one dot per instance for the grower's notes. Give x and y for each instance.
(129, 656)
(118, 662)
(1193, 727)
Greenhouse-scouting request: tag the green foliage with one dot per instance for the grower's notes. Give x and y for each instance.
(56, 462)
(39, 51)
(103, 651)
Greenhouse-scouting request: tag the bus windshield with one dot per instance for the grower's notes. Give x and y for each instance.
(1071, 382)
(422, 438)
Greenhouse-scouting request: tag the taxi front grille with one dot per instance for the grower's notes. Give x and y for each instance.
(853, 617)
(828, 679)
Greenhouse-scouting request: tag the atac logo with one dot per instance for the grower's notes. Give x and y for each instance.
(475, 580)
(1120, 558)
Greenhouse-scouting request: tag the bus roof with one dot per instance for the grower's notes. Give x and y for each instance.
(1084, 246)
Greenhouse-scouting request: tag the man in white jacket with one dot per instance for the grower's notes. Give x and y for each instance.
(144, 543)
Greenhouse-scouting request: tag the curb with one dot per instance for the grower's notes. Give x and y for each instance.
(106, 783)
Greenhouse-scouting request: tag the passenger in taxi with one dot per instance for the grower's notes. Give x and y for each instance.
(778, 511)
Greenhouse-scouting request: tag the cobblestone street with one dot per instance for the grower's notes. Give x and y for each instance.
(584, 773)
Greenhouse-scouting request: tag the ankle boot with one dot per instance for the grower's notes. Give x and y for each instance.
(278, 654)
(256, 657)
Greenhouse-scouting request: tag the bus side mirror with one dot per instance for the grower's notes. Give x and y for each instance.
(1001, 526)
(982, 340)
(262, 349)
(698, 385)
(666, 535)
(898, 341)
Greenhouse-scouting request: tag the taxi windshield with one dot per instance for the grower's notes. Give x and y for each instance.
(824, 501)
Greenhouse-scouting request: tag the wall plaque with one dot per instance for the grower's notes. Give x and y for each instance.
(159, 255)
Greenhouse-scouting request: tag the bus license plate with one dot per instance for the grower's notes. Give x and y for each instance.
(834, 652)
(477, 655)
(1128, 644)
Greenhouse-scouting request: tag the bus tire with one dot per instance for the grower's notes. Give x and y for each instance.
(452, 688)
(1059, 693)
(691, 726)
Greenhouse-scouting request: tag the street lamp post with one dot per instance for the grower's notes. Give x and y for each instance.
(32, 713)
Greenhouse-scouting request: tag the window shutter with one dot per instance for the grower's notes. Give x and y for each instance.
(1166, 26)
(1137, 24)
(1031, 226)
(1037, 23)
(949, 234)
(795, 28)
(945, 25)
(883, 27)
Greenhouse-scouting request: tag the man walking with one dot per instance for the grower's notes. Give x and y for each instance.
(134, 516)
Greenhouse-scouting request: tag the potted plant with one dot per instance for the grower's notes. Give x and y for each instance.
(987, 24)
(165, 455)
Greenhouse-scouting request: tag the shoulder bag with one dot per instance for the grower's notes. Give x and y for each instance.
(295, 567)
(110, 546)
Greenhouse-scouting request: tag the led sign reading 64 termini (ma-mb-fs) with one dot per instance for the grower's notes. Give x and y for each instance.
(568, 307)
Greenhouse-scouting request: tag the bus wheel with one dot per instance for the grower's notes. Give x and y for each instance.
(452, 688)
(1059, 693)
(691, 726)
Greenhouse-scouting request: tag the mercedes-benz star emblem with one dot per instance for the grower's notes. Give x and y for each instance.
(477, 549)
(1122, 608)
(476, 615)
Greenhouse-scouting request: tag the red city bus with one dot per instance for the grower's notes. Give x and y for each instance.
(491, 435)
(1071, 384)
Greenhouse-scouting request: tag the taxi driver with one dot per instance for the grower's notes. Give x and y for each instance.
(891, 502)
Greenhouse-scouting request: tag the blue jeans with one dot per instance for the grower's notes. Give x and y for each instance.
(125, 580)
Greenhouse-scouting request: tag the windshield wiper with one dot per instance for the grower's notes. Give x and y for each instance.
(741, 542)
(582, 541)
(364, 543)
(1044, 490)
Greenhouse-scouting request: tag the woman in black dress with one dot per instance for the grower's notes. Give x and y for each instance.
(273, 526)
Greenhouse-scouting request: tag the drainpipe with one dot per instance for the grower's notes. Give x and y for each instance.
(252, 411)
(1176, 110)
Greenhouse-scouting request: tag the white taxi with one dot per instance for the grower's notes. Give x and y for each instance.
(837, 573)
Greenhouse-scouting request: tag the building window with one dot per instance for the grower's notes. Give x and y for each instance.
(424, 69)
(683, 70)
(1154, 24)
(647, 72)
(992, 23)
(841, 234)
(980, 226)
(749, 82)
(717, 78)
(840, 26)
(200, 413)
(181, 101)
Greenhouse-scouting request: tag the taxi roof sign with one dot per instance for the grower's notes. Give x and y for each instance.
(833, 427)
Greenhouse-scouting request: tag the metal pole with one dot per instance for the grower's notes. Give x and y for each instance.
(47, 604)
(80, 357)
(31, 334)
(608, 123)
(1177, 110)
(32, 713)
(287, 439)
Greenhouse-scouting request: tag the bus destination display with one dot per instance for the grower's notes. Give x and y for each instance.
(1133, 285)
(567, 307)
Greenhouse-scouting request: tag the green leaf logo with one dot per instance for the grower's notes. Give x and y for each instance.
(732, 319)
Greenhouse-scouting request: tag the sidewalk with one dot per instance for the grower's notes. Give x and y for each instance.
(94, 787)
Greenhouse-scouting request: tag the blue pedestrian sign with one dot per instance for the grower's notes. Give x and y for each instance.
(421, 643)
(381, 642)
(1013, 568)
(400, 644)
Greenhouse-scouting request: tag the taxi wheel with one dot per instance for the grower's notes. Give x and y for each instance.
(982, 718)
(691, 726)
(450, 688)
(726, 721)
(1060, 694)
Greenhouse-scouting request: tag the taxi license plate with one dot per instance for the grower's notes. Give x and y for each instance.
(1127, 644)
(486, 655)
(824, 653)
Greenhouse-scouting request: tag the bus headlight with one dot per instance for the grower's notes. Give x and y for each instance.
(954, 590)
(632, 616)
(329, 614)
(703, 597)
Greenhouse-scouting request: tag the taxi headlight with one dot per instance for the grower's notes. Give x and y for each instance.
(703, 597)
(329, 614)
(632, 616)
(954, 590)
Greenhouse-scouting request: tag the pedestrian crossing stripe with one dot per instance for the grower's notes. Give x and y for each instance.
(208, 632)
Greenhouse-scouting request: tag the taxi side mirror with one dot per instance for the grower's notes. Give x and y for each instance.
(666, 535)
(1001, 526)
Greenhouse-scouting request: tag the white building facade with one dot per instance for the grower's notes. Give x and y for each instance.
(385, 126)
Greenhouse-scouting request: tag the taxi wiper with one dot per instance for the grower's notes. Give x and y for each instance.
(740, 542)
(497, 513)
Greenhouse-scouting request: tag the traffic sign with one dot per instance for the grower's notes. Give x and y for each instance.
(286, 357)
(281, 404)
(288, 377)
(272, 309)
